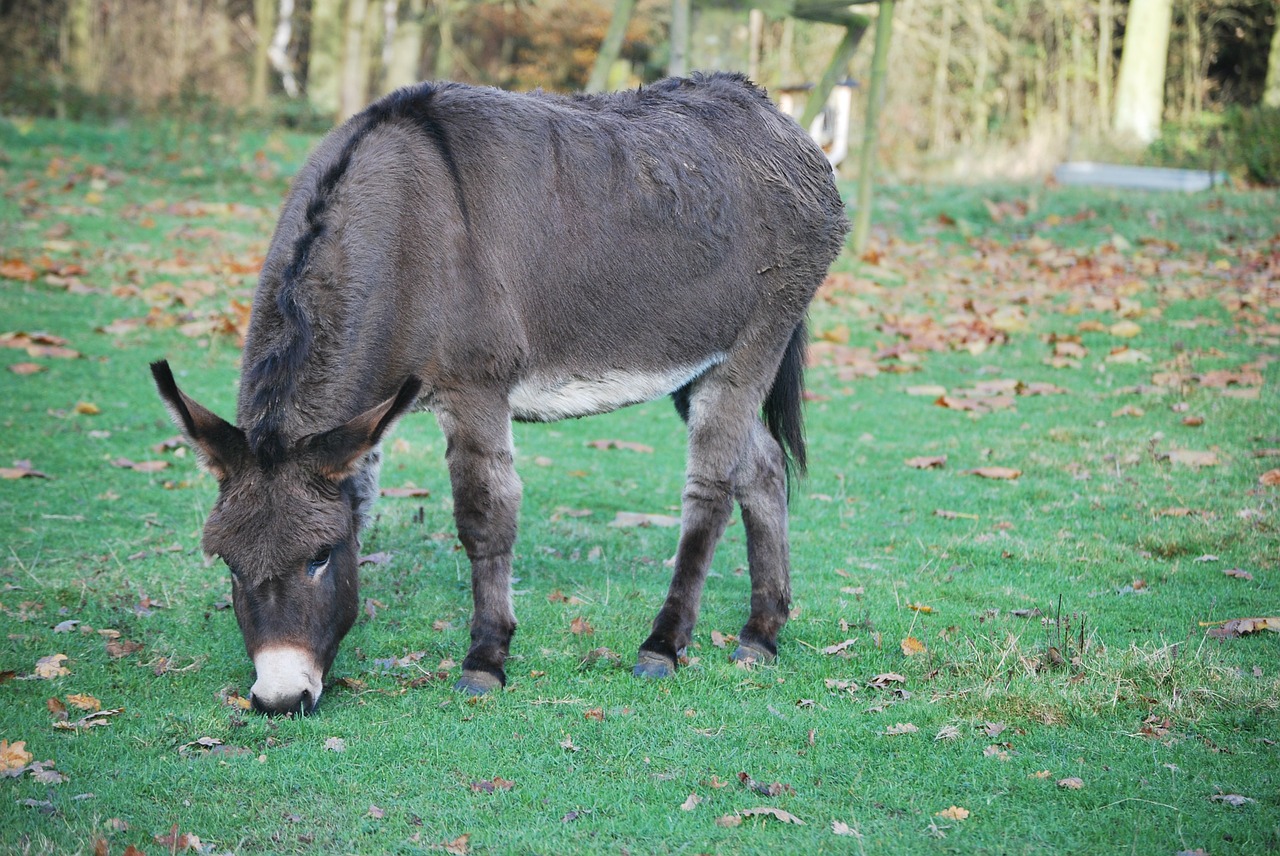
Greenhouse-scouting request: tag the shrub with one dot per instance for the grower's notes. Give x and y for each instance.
(1257, 137)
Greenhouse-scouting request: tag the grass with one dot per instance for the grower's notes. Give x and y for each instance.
(1114, 681)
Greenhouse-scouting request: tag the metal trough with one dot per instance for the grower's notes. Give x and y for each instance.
(1087, 173)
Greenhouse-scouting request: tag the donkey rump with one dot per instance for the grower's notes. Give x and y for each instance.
(492, 256)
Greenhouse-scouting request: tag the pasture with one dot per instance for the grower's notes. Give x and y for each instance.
(1031, 646)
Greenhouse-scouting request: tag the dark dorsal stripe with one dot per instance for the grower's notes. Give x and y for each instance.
(275, 376)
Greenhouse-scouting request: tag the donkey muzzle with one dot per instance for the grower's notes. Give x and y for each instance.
(289, 681)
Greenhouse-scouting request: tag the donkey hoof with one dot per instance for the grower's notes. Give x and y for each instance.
(650, 665)
(477, 683)
(749, 655)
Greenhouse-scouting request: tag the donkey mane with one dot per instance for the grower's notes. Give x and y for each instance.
(274, 376)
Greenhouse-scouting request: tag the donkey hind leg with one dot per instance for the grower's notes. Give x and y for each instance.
(486, 505)
(761, 489)
(719, 426)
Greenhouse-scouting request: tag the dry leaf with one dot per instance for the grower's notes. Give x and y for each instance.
(96, 719)
(884, 679)
(335, 744)
(1240, 626)
(1232, 799)
(947, 732)
(954, 813)
(900, 728)
(839, 827)
(1271, 478)
(26, 369)
(838, 647)
(912, 646)
(458, 846)
(402, 492)
(580, 627)
(1125, 329)
(1238, 573)
(626, 519)
(84, 702)
(729, 821)
(927, 462)
(995, 472)
(621, 444)
(1189, 458)
(690, 803)
(769, 811)
(1071, 783)
(14, 758)
(51, 666)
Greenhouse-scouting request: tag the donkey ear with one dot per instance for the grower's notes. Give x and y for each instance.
(337, 451)
(219, 444)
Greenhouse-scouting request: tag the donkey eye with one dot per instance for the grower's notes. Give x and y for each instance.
(319, 563)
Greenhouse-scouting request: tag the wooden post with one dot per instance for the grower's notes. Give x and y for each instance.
(836, 69)
(867, 158)
(611, 46)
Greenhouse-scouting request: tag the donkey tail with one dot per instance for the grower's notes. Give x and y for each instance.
(783, 407)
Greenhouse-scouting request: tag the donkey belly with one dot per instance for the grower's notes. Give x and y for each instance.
(549, 396)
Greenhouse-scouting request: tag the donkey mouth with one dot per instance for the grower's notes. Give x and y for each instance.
(288, 681)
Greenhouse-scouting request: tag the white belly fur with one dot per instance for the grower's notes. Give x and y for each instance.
(545, 399)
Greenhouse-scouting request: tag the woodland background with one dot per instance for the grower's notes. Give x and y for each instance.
(978, 88)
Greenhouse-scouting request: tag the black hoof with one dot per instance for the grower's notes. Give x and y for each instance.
(650, 665)
(477, 683)
(749, 655)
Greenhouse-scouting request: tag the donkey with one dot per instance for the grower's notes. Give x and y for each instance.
(491, 256)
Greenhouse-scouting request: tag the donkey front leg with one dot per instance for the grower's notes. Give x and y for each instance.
(486, 505)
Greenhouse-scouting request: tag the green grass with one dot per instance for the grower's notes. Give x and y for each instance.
(1153, 716)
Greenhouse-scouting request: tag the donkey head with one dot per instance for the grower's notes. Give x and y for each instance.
(288, 530)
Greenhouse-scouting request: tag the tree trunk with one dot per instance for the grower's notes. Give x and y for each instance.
(611, 46)
(444, 29)
(1271, 91)
(264, 14)
(1105, 25)
(1140, 90)
(278, 51)
(755, 43)
(941, 76)
(355, 60)
(81, 58)
(405, 65)
(867, 157)
(981, 71)
(678, 65)
(325, 58)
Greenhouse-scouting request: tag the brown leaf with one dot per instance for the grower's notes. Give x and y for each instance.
(140, 466)
(117, 648)
(954, 813)
(25, 369)
(376, 812)
(17, 269)
(581, 627)
(1241, 626)
(770, 811)
(488, 786)
(401, 492)
(1271, 478)
(1238, 573)
(885, 679)
(595, 713)
(51, 666)
(458, 846)
(335, 744)
(927, 462)
(838, 647)
(901, 728)
(1190, 458)
(626, 519)
(912, 646)
(14, 758)
(1232, 799)
(690, 803)
(91, 720)
(1071, 783)
(1007, 473)
(21, 470)
(729, 821)
(626, 445)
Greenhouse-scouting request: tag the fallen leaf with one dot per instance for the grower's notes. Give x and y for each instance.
(1189, 458)
(488, 786)
(995, 472)
(954, 813)
(839, 827)
(621, 444)
(912, 646)
(1232, 799)
(1271, 478)
(1238, 573)
(84, 702)
(625, 519)
(900, 728)
(581, 627)
(14, 758)
(21, 470)
(1241, 626)
(26, 369)
(335, 744)
(927, 462)
(1071, 783)
(117, 648)
(927, 390)
(51, 666)
(885, 679)
(729, 821)
(920, 608)
(401, 492)
(690, 803)
(1125, 329)
(947, 732)
(838, 647)
(97, 719)
(953, 515)
(376, 812)
(458, 846)
(769, 811)
(175, 842)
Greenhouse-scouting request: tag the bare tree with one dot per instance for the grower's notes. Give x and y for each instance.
(1140, 88)
(1271, 89)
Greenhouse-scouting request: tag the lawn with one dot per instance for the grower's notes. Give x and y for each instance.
(1044, 455)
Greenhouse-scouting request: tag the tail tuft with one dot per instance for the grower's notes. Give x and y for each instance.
(783, 407)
